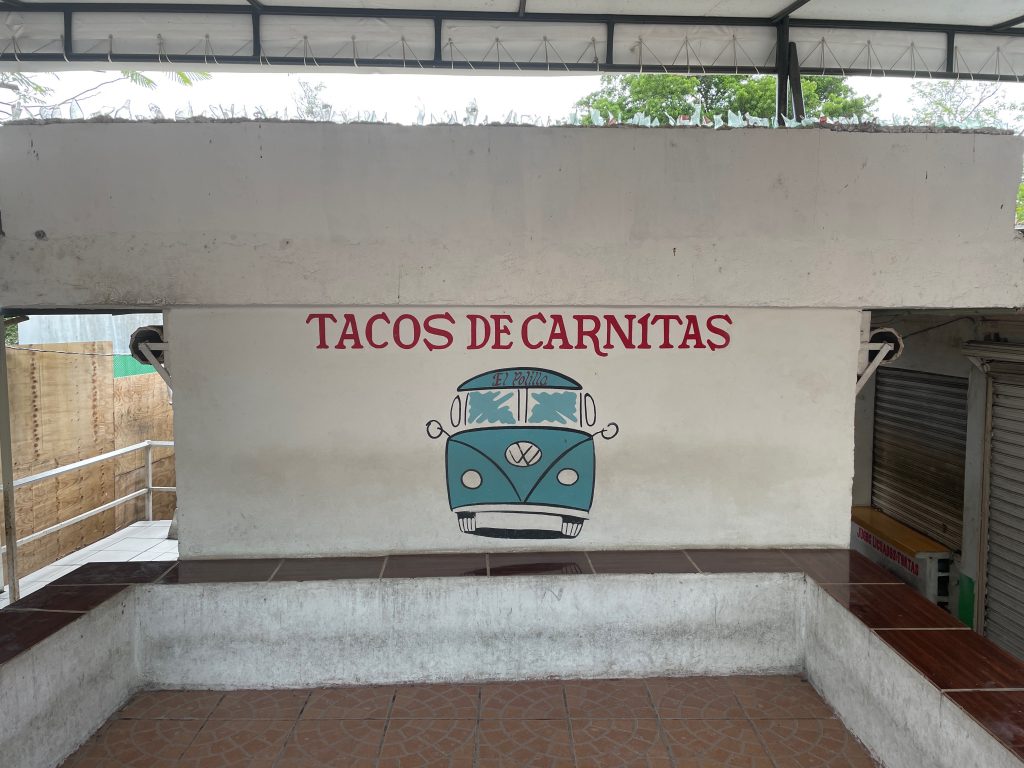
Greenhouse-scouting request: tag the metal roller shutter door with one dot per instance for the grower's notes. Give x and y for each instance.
(919, 448)
(1004, 572)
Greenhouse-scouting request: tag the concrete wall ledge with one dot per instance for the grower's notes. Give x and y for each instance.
(450, 630)
(818, 620)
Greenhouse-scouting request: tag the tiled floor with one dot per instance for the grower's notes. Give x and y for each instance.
(710, 722)
(139, 541)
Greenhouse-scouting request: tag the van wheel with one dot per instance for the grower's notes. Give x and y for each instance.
(467, 522)
(571, 526)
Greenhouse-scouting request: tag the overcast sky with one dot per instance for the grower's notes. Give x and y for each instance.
(400, 96)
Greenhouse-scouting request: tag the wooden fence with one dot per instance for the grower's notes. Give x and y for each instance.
(66, 406)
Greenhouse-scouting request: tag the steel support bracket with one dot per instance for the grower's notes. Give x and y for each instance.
(147, 350)
(883, 349)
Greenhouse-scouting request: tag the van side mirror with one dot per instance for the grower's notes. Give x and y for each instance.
(434, 429)
(610, 431)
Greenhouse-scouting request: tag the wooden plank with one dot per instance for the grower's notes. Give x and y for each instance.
(142, 411)
(896, 533)
(61, 403)
(67, 406)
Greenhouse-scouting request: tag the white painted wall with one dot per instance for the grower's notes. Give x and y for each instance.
(285, 449)
(271, 213)
(749, 446)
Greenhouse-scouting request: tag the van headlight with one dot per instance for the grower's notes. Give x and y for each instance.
(471, 479)
(568, 476)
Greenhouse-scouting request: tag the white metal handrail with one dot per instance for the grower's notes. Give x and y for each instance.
(148, 491)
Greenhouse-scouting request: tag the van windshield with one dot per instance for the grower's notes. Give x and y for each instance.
(553, 408)
(491, 407)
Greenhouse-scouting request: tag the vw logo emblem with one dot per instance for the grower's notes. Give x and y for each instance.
(522, 454)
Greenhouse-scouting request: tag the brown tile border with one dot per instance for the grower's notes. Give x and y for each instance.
(647, 561)
(1001, 713)
(329, 568)
(20, 630)
(891, 606)
(426, 566)
(572, 563)
(77, 599)
(132, 572)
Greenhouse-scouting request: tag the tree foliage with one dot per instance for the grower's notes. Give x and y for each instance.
(664, 95)
(22, 96)
(11, 334)
(310, 104)
(946, 102)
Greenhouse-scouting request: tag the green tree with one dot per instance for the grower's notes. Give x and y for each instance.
(11, 333)
(662, 95)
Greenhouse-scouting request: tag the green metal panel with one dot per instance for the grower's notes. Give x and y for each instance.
(126, 365)
(965, 601)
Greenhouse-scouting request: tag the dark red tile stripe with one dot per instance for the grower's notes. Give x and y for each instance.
(1001, 713)
(950, 658)
(20, 630)
(891, 606)
(63, 598)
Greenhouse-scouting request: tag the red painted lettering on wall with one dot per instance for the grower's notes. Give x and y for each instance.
(904, 561)
(587, 332)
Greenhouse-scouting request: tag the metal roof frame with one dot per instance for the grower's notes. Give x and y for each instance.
(911, 49)
(782, 22)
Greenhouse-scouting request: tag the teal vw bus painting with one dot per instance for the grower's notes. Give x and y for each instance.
(519, 461)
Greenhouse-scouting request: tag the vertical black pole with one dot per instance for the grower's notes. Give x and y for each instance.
(68, 31)
(782, 70)
(257, 44)
(609, 54)
(437, 41)
(795, 86)
(950, 53)
(10, 538)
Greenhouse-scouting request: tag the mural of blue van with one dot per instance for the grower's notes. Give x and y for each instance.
(520, 454)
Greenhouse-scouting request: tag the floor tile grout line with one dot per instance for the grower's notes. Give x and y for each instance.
(661, 729)
(982, 690)
(291, 731)
(276, 569)
(171, 567)
(760, 736)
(387, 718)
(487, 563)
(383, 565)
(479, 715)
(590, 562)
(693, 562)
(201, 728)
(568, 723)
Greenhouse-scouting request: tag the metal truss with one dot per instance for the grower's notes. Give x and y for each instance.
(595, 56)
